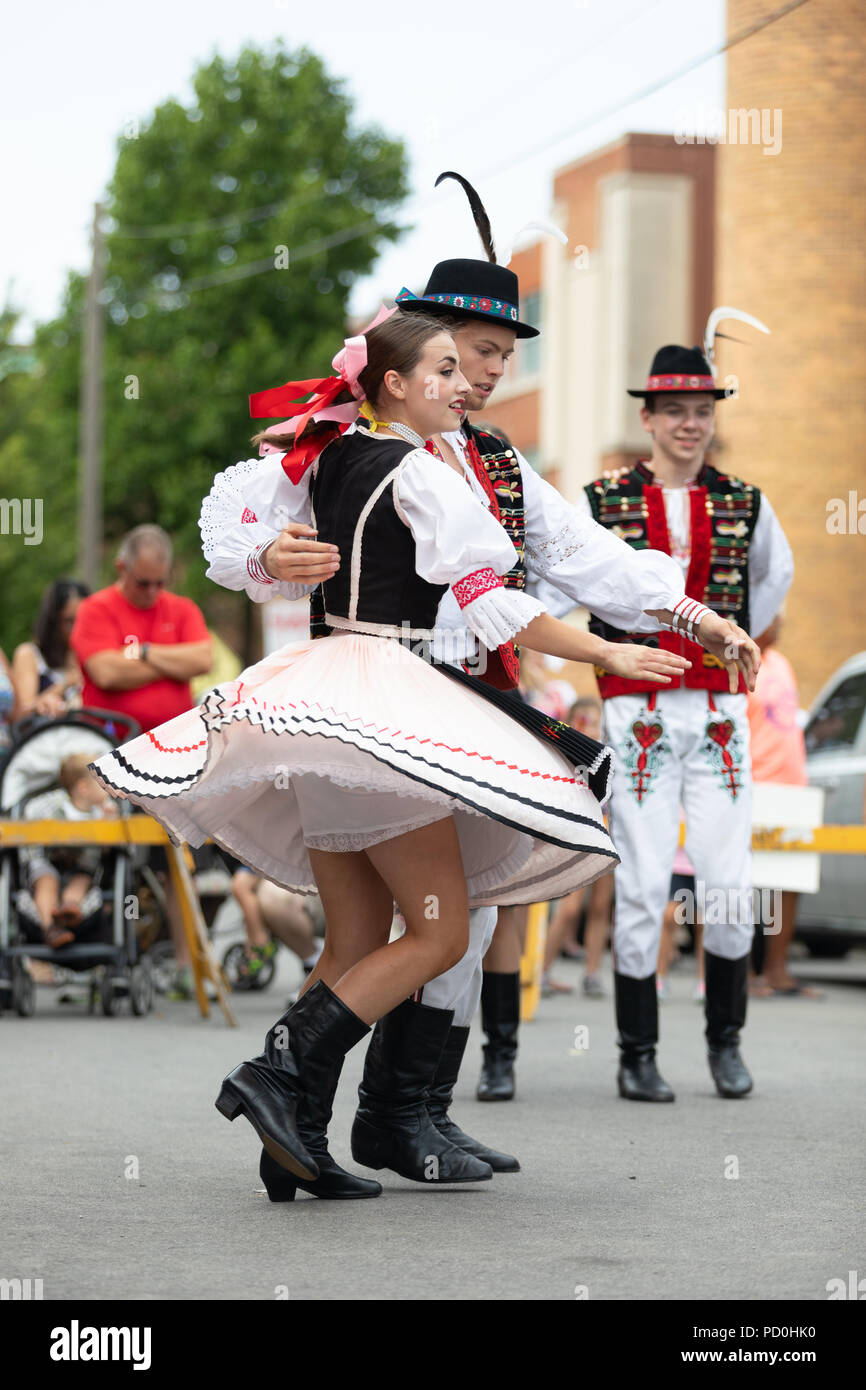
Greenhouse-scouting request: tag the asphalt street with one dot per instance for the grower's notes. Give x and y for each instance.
(120, 1179)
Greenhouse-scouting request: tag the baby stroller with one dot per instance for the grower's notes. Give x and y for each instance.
(106, 948)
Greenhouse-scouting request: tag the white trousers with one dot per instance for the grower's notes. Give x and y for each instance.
(681, 753)
(460, 987)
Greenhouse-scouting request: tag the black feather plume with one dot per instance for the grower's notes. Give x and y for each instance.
(482, 221)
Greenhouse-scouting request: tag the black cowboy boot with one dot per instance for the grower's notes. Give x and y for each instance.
(392, 1128)
(440, 1097)
(500, 1019)
(300, 1049)
(638, 1077)
(727, 993)
(312, 1119)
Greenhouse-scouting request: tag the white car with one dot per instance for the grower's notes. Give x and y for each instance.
(834, 919)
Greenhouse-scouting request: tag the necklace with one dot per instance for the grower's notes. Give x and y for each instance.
(405, 431)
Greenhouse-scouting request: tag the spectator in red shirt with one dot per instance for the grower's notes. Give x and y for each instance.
(139, 645)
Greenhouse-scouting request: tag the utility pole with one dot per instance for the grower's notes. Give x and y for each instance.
(90, 415)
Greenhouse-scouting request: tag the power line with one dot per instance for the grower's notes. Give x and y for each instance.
(229, 219)
(349, 234)
(653, 87)
(642, 11)
(244, 272)
(261, 214)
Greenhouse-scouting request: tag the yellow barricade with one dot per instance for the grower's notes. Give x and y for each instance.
(139, 830)
(532, 960)
(142, 830)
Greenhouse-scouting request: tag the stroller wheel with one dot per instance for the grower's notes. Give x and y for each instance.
(249, 972)
(141, 988)
(108, 995)
(234, 965)
(162, 966)
(23, 990)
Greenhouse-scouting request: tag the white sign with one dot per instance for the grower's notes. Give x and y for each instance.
(283, 621)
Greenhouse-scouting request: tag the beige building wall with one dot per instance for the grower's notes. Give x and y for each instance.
(790, 240)
(646, 289)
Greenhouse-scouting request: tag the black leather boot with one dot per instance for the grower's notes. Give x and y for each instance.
(312, 1119)
(638, 1077)
(727, 995)
(500, 1019)
(392, 1128)
(439, 1100)
(301, 1048)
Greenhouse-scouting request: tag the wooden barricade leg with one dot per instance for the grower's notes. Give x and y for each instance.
(532, 961)
(204, 963)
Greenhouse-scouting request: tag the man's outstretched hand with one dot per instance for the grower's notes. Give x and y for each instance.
(298, 558)
(733, 647)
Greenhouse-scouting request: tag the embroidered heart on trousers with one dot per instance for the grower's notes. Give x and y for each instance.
(646, 734)
(721, 733)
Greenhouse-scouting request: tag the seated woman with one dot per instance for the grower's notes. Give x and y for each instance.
(47, 675)
(8, 703)
(354, 766)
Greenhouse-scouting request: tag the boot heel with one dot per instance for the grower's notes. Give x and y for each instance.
(280, 1190)
(228, 1104)
(368, 1148)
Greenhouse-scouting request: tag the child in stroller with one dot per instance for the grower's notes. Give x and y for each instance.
(61, 881)
(109, 944)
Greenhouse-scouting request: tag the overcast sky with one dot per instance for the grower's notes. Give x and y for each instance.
(504, 92)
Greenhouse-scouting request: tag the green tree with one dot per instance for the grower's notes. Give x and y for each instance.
(237, 228)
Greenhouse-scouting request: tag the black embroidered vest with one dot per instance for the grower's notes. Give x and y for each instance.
(503, 482)
(377, 585)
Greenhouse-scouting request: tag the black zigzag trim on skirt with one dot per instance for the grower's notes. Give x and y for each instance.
(570, 816)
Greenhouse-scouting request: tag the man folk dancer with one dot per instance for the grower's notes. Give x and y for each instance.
(687, 745)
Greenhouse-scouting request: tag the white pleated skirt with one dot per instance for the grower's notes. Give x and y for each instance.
(343, 742)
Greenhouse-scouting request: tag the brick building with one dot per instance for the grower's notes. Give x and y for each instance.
(789, 247)
(659, 232)
(637, 272)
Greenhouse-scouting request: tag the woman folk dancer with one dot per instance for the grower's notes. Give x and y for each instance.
(352, 765)
(565, 558)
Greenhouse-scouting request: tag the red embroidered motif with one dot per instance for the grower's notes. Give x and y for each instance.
(483, 477)
(472, 586)
(390, 733)
(248, 515)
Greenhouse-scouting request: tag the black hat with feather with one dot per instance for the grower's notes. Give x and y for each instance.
(676, 370)
(471, 289)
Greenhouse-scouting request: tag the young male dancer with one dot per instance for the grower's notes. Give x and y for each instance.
(687, 745)
(415, 1055)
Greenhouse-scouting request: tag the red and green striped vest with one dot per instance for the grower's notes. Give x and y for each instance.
(724, 512)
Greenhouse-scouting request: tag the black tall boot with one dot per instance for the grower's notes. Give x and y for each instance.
(392, 1128)
(500, 1019)
(312, 1119)
(637, 1017)
(727, 994)
(302, 1046)
(439, 1100)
